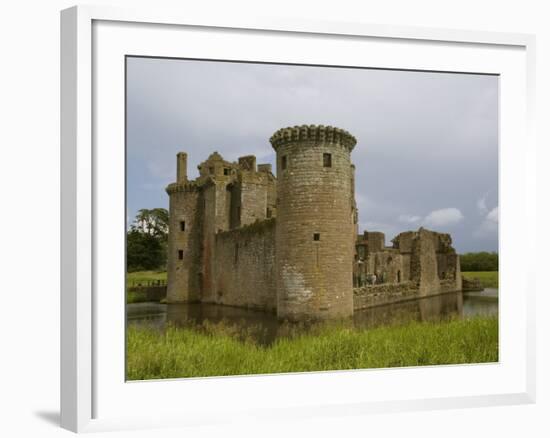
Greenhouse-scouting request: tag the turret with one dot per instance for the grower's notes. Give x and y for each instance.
(184, 278)
(315, 231)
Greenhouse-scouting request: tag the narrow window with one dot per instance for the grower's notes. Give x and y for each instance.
(211, 170)
(327, 160)
(182, 226)
(268, 213)
(236, 253)
(316, 237)
(180, 254)
(283, 162)
(226, 171)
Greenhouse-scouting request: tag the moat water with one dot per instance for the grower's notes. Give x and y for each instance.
(264, 328)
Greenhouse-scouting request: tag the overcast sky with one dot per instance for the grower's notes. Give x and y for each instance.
(427, 143)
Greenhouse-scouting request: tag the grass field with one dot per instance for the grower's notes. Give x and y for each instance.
(144, 276)
(487, 278)
(181, 352)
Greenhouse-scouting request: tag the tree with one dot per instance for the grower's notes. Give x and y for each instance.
(153, 222)
(479, 261)
(146, 241)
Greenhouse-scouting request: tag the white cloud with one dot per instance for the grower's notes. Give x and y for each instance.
(489, 226)
(493, 215)
(445, 216)
(409, 218)
(482, 205)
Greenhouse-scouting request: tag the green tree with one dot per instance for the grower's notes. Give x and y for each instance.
(153, 222)
(479, 261)
(147, 240)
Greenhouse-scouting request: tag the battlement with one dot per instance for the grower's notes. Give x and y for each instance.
(314, 133)
(189, 186)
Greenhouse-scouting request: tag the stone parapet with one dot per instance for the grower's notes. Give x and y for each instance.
(189, 186)
(315, 133)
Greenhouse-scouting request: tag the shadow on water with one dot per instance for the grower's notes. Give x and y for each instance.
(264, 328)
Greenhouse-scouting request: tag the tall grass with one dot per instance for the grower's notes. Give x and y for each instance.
(487, 278)
(183, 352)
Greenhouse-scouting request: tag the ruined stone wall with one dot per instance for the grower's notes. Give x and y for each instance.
(424, 263)
(253, 190)
(388, 266)
(448, 285)
(184, 255)
(209, 228)
(381, 294)
(244, 267)
(403, 242)
(314, 242)
(376, 241)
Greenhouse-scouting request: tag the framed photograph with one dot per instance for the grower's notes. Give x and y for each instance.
(285, 218)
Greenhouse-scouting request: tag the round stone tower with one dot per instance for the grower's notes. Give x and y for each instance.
(314, 234)
(184, 279)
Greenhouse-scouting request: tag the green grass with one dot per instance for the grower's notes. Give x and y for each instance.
(135, 297)
(487, 278)
(144, 276)
(183, 352)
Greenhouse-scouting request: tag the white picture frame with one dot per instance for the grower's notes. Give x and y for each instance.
(92, 394)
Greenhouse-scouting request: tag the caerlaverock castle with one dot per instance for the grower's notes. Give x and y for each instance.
(240, 236)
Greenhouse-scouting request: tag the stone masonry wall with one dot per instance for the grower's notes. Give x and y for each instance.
(184, 245)
(244, 273)
(424, 263)
(314, 242)
(253, 188)
(381, 294)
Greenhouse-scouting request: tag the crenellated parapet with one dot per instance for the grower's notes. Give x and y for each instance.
(313, 133)
(189, 186)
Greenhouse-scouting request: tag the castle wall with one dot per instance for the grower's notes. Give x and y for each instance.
(207, 244)
(253, 188)
(424, 263)
(403, 242)
(244, 267)
(376, 241)
(382, 294)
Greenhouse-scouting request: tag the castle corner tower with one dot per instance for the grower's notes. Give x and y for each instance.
(314, 238)
(183, 238)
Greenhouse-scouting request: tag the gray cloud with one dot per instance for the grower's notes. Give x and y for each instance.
(426, 141)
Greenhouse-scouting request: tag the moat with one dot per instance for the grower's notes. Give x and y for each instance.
(264, 328)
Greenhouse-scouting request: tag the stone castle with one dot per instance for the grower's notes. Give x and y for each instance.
(241, 236)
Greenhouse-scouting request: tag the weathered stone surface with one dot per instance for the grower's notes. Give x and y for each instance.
(381, 294)
(314, 237)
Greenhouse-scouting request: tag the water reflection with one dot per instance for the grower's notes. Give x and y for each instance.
(264, 328)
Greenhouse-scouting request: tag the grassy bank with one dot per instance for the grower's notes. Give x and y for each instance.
(487, 278)
(179, 352)
(144, 276)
